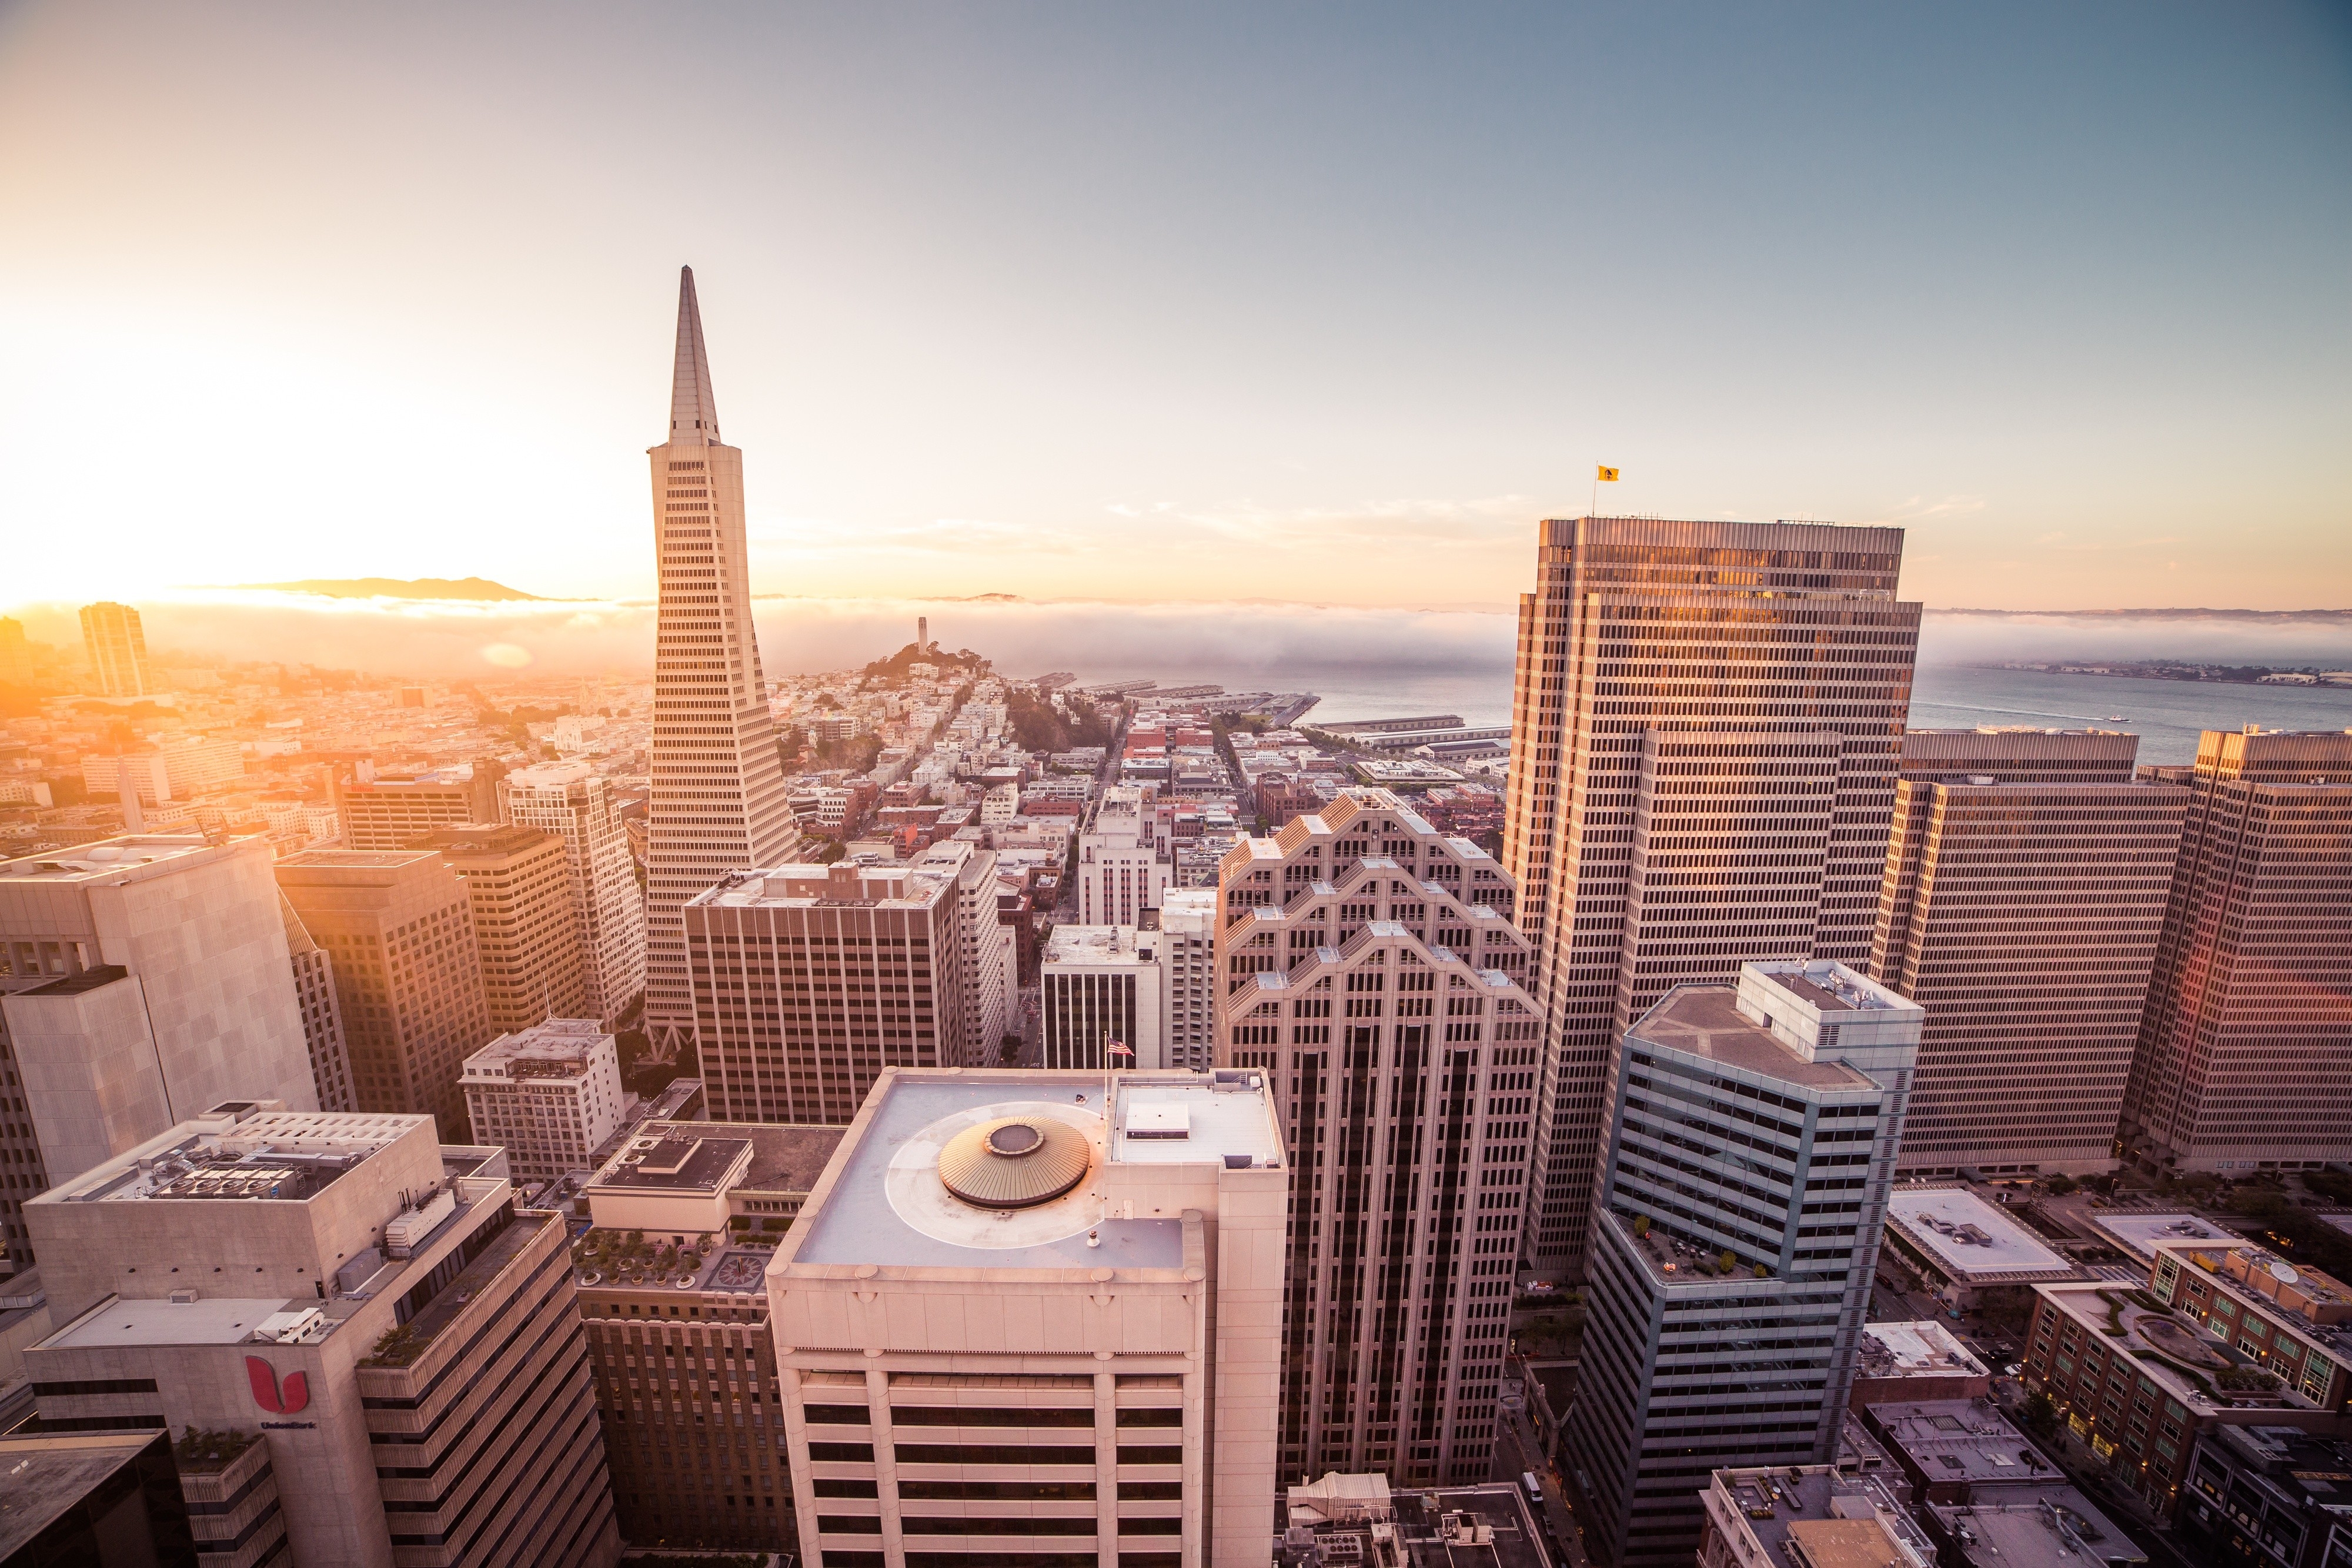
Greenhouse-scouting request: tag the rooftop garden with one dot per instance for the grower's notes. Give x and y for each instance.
(627, 1258)
(202, 1450)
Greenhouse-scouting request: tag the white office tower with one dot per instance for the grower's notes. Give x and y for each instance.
(1123, 863)
(151, 974)
(572, 801)
(1366, 964)
(1101, 987)
(1007, 1324)
(1752, 1138)
(549, 1095)
(1188, 976)
(719, 802)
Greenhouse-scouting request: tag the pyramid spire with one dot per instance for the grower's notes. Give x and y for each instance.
(693, 407)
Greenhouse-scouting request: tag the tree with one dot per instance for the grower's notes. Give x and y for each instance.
(2060, 1185)
(2040, 1417)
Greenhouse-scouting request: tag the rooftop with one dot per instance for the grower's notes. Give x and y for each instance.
(1969, 1239)
(1915, 1350)
(2132, 1230)
(206, 1320)
(105, 858)
(1705, 1021)
(1959, 1440)
(2038, 1527)
(782, 1158)
(885, 1202)
(814, 886)
(483, 843)
(554, 1048)
(43, 1476)
(1834, 1521)
(1095, 945)
(2180, 1355)
(287, 1156)
(674, 1160)
(1486, 1526)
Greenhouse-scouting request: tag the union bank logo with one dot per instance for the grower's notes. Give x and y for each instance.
(267, 1392)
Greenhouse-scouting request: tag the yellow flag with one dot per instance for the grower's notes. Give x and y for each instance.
(1609, 474)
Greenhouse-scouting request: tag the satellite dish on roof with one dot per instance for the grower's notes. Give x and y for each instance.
(2285, 1273)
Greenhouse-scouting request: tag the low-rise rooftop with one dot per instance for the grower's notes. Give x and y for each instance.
(1357, 1522)
(42, 1477)
(1965, 1442)
(553, 1048)
(1816, 1515)
(1915, 1350)
(2135, 1232)
(1973, 1242)
(2053, 1526)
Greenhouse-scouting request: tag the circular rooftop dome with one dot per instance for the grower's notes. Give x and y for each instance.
(1013, 1162)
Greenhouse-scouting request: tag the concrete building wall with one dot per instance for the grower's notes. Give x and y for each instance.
(93, 1085)
(571, 802)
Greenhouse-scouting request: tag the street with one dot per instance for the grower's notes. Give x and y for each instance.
(1518, 1450)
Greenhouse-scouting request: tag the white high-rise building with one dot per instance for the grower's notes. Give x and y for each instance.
(572, 801)
(1751, 1143)
(1123, 863)
(1099, 987)
(988, 953)
(719, 802)
(1188, 969)
(549, 1095)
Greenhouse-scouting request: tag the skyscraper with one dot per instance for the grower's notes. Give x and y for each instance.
(118, 650)
(322, 1013)
(399, 931)
(1705, 727)
(569, 801)
(387, 811)
(526, 926)
(1751, 1144)
(16, 653)
(718, 803)
(2245, 1049)
(2025, 889)
(1366, 965)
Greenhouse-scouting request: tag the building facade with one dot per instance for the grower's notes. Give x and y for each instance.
(1752, 1142)
(154, 973)
(569, 801)
(2024, 894)
(370, 1303)
(549, 1094)
(1706, 721)
(686, 1376)
(175, 770)
(810, 979)
(1366, 965)
(117, 642)
(719, 802)
(1017, 1320)
(391, 811)
(399, 929)
(2245, 1059)
(322, 1014)
(1101, 985)
(1188, 976)
(526, 922)
(988, 947)
(1123, 865)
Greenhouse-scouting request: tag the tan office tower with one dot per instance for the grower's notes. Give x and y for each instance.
(149, 974)
(408, 974)
(361, 1304)
(569, 801)
(1366, 964)
(719, 802)
(118, 650)
(388, 812)
(2024, 893)
(1703, 733)
(810, 979)
(1021, 1326)
(2245, 1049)
(322, 1014)
(526, 924)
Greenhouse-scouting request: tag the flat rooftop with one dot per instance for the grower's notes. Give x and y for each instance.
(816, 886)
(554, 1048)
(1915, 1350)
(207, 1320)
(1824, 993)
(105, 857)
(285, 1156)
(673, 1161)
(1960, 1440)
(886, 1203)
(1837, 1520)
(1705, 1021)
(2053, 1526)
(1432, 1528)
(784, 1158)
(2134, 1231)
(357, 860)
(43, 1476)
(1094, 945)
(1969, 1239)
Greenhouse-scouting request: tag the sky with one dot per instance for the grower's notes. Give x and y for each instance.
(1202, 303)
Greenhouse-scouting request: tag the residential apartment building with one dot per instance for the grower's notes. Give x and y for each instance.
(2024, 894)
(569, 801)
(526, 922)
(1366, 965)
(1101, 985)
(1016, 1319)
(1751, 1146)
(1188, 977)
(685, 1374)
(718, 800)
(173, 770)
(149, 974)
(404, 1339)
(549, 1095)
(1124, 863)
(390, 810)
(117, 642)
(399, 928)
(1705, 723)
(322, 1014)
(810, 979)
(2245, 1049)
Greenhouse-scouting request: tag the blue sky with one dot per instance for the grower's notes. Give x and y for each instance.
(1203, 302)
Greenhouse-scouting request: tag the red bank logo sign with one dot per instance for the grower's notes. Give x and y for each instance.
(265, 1392)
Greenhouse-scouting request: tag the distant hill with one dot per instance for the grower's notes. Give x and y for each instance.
(396, 587)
